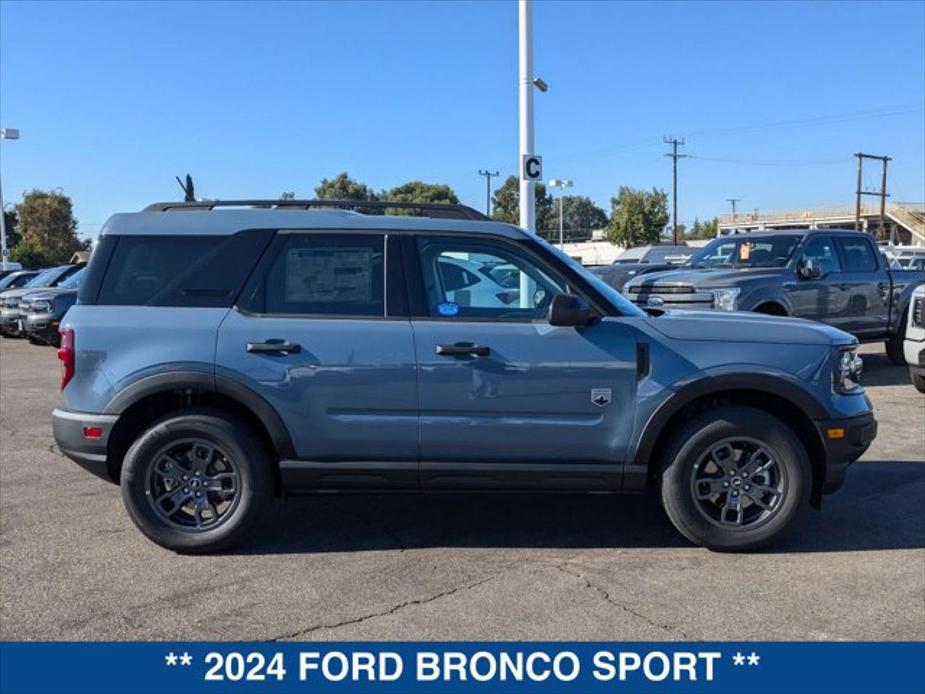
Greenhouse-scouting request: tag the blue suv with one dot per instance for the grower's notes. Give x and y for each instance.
(222, 354)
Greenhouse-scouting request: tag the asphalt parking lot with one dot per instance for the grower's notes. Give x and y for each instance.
(73, 567)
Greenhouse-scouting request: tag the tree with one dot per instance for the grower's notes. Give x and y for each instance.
(506, 205)
(47, 225)
(11, 222)
(287, 195)
(342, 187)
(579, 213)
(637, 217)
(28, 255)
(703, 230)
(189, 194)
(418, 191)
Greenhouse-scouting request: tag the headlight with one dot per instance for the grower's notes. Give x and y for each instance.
(848, 369)
(11, 303)
(42, 306)
(725, 299)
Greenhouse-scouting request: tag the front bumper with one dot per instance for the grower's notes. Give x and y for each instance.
(89, 453)
(9, 320)
(845, 441)
(42, 325)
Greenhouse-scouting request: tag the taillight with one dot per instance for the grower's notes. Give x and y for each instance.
(66, 355)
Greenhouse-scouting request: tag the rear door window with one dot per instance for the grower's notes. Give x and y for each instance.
(321, 274)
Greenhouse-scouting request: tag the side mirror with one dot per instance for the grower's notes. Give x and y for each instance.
(808, 270)
(569, 310)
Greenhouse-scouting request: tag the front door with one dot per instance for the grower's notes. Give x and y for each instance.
(313, 336)
(822, 297)
(506, 399)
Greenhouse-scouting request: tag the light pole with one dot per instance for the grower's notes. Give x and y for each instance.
(526, 82)
(5, 134)
(561, 184)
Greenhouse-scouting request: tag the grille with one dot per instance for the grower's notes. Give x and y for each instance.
(663, 289)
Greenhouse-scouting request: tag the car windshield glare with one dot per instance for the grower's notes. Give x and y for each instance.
(73, 281)
(41, 279)
(766, 251)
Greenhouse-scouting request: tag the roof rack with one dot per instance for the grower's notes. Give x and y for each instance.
(425, 209)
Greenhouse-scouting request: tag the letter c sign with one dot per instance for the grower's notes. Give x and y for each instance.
(532, 168)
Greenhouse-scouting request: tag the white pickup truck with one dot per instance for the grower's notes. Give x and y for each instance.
(914, 344)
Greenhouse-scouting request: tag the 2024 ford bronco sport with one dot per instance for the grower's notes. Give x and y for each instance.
(217, 358)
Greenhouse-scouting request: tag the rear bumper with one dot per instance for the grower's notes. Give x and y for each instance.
(89, 453)
(842, 449)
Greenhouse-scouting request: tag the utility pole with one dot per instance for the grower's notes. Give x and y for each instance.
(674, 142)
(882, 194)
(487, 173)
(733, 201)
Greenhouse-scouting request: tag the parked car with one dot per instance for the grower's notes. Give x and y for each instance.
(10, 315)
(16, 278)
(43, 309)
(641, 260)
(914, 344)
(829, 275)
(216, 358)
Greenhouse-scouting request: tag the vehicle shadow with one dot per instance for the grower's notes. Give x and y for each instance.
(880, 507)
(879, 371)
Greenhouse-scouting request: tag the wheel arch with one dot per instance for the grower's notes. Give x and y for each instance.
(156, 396)
(789, 403)
(771, 307)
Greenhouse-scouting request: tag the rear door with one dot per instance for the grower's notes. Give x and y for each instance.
(506, 399)
(867, 285)
(322, 338)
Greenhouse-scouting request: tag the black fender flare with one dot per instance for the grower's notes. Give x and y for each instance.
(200, 380)
(708, 385)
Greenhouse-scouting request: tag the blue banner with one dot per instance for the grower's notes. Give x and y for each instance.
(518, 668)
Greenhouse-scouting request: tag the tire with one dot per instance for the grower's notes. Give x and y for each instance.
(894, 345)
(154, 466)
(688, 460)
(918, 380)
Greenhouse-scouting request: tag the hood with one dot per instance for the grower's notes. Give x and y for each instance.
(739, 326)
(708, 279)
(19, 292)
(617, 274)
(48, 292)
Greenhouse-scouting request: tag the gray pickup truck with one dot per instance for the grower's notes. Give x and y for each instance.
(830, 275)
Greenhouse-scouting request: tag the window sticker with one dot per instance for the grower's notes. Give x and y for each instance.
(329, 274)
(448, 308)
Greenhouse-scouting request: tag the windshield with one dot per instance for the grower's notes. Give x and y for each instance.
(612, 295)
(10, 279)
(43, 278)
(741, 251)
(73, 281)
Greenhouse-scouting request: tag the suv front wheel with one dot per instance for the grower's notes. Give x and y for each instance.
(197, 482)
(735, 478)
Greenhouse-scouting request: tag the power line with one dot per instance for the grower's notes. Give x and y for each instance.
(785, 164)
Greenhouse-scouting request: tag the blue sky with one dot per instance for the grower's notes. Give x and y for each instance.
(113, 100)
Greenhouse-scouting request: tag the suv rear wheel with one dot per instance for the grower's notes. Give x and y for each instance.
(197, 482)
(735, 478)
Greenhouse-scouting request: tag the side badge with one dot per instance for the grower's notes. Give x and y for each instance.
(601, 396)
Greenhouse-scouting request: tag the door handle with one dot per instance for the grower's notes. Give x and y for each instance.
(274, 346)
(463, 349)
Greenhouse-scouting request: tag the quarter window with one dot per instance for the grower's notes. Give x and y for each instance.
(323, 274)
(465, 278)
